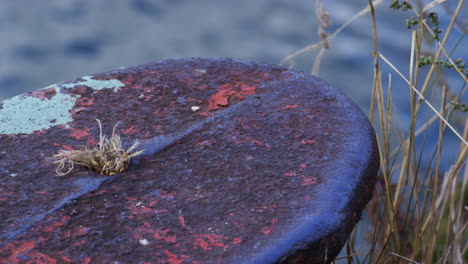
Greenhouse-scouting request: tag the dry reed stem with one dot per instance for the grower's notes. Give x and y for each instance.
(442, 45)
(290, 58)
(324, 23)
(419, 214)
(108, 157)
(404, 258)
(445, 205)
(429, 29)
(433, 4)
(421, 96)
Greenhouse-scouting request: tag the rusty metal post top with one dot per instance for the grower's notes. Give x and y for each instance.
(242, 163)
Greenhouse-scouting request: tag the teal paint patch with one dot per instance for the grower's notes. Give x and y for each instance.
(97, 84)
(26, 114)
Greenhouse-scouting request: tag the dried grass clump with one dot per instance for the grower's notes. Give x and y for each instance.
(108, 157)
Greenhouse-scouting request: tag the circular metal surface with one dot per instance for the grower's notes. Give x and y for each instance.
(243, 163)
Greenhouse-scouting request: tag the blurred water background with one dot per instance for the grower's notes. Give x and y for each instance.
(45, 42)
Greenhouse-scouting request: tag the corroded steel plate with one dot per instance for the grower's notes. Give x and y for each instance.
(243, 163)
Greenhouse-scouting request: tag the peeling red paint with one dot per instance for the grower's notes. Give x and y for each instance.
(64, 147)
(77, 110)
(291, 106)
(207, 143)
(205, 113)
(192, 99)
(236, 241)
(87, 260)
(39, 132)
(165, 195)
(175, 259)
(17, 250)
(247, 90)
(79, 243)
(148, 98)
(80, 133)
(214, 240)
(182, 221)
(266, 230)
(199, 242)
(52, 227)
(66, 259)
(26, 250)
(136, 210)
(40, 258)
(307, 180)
(132, 130)
(81, 231)
(161, 234)
(85, 101)
(307, 141)
(220, 98)
(44, 93)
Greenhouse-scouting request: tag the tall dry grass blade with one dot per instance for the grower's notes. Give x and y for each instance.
(442, 45)
(317, 62)
(446, 54)
(375, 53)
(421, 96)
(433, 4)
(324, 23)
(389, 120)
(432, 119)
(404, 258)
(101, 138)
(403, 176)
(347, 257)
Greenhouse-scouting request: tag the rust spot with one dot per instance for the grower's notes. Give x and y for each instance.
(44, 93)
